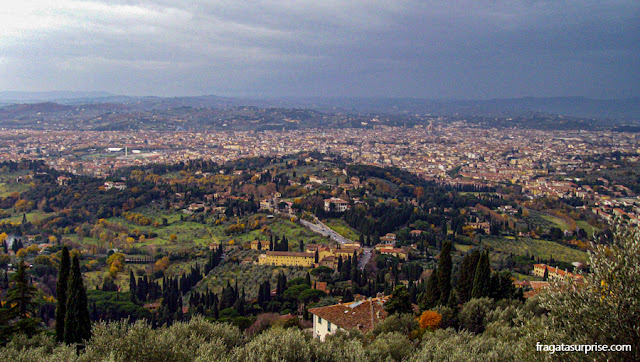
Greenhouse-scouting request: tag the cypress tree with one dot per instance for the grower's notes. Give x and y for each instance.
(482, 277)
(132, 286)
(467, 273)
(261, 295)
(282, 284)
(5, 280)
(77, 324)
(444, 273)
(431, 295)
(239, 306)
(61, 291)
(216, 307)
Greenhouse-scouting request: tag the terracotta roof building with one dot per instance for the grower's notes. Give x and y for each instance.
(361, 315)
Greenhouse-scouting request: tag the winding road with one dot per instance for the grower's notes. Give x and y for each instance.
(323, 229)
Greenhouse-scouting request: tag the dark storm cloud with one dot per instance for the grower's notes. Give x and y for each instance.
(434, 49)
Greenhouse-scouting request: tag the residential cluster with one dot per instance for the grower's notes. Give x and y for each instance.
(455, 153)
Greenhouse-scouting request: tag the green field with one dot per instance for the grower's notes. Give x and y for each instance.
(588, 228)
(8, 184)
(462, 248)
(31, 216)
(203, 234)
(341, 227)
(557, 221)
(519, 276)
(187, 232)
(542, 248)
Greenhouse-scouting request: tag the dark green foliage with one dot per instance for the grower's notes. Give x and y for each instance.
(431, 295)
(114, 306)
(281, 285)
(61, 291)
(132, 286)
(321, 270)
(77, 326)
(473, 314)
(294, 291)
(280, 244)
(555, 233)
(239, 304)
(18, 317)
(482, 277)
(467, 273)
(215, 256)
(502, 286)
(444, 272)
(264, 294)
(400, 301)
(20, 295)
(310, 295)
(399, 322)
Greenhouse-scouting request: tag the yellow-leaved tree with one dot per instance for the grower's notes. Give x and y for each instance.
(116, 263)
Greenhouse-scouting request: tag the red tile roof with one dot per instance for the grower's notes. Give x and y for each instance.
(362, 315)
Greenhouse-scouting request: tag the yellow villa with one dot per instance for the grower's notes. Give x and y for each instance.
(286, 258)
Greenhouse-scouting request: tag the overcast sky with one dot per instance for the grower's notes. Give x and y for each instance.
(429, 49)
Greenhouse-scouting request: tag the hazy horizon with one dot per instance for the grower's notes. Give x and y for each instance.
(72, 94)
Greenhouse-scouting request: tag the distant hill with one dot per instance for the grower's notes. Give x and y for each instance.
(53, 96)
(103, 111)
(627, 110)
(620, 109)
(35, 107)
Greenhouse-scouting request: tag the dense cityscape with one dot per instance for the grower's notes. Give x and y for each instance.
(541, 162)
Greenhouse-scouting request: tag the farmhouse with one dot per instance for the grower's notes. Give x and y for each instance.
(360, 315)
(264, 245)
(328, 254)
(114, 185)
(555, 274)
(397, 252)
(339, 205)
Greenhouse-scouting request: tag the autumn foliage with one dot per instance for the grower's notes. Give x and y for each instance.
(430, 320)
